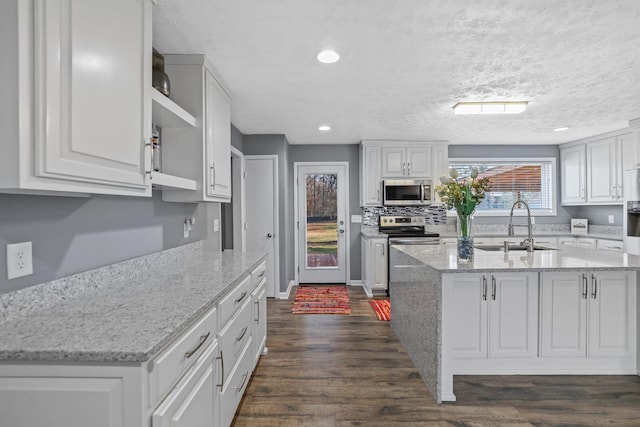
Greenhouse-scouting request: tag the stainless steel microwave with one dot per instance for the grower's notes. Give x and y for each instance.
(406, 192)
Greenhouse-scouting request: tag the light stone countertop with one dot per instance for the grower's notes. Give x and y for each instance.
(444, 259)
(126, 320)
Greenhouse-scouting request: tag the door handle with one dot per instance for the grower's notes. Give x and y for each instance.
(484, 287)
(269, 235)
(341, 231)
(584, 286)
(493, 288)
(594, 289)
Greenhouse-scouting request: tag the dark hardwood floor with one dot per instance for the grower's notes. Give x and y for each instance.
(333, 370)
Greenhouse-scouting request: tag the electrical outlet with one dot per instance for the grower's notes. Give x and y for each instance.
(185, 233)
(19, 260)
(611, 220)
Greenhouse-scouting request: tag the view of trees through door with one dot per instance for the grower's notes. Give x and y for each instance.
(322, 226)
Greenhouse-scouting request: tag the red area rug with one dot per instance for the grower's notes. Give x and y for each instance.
(321, 300)
(382, 307)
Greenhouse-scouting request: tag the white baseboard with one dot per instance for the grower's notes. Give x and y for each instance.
(285, 294)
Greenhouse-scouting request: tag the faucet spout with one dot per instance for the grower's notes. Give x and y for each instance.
(528, 242)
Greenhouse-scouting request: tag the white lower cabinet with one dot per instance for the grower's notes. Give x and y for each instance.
(192, 402)
(587, 314)
(197, 380)
(495, 315)
(374, 264)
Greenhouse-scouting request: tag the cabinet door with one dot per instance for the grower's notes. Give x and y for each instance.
(378, 252)
(601, 170)
(394, 163)
(371, 184)
(259, 320)
(419, 162)
(563, 314)
(90, 123)
(365, 260)
(610, 314)
(469, 320)
(572, 178)
(440, 166)
(192, 402)
(513, 315)
(627, 151)
(218, 140)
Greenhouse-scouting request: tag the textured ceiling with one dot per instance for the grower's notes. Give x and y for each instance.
(405, 63)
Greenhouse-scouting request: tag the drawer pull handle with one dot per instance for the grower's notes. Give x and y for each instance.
(221, 358)
(203, 338)
(244, 331)
(244, 380)
(241, 297)
(258, 311)
(262, 273)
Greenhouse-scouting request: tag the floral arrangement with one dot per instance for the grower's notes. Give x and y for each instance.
(463, 195)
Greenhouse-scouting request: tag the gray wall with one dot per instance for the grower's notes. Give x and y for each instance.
(71, 234)
(278, 145)
(226, 209)
(517, 151)
(338, 153)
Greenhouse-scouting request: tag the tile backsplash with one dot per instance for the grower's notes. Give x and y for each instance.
(434, 215)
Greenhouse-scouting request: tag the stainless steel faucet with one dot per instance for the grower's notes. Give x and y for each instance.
(528, 242)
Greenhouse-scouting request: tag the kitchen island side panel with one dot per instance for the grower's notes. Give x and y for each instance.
(415, 294)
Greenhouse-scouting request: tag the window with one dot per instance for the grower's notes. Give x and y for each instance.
(531, 180)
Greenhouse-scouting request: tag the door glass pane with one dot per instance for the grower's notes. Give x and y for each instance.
(322, 227)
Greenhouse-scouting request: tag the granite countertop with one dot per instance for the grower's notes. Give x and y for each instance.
(444, 259)
(126, 320)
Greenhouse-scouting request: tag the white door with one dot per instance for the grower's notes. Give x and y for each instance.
(469, 328)
(394, 163)
(601, 170)
(322, 226)
(419, 161)
(513, 315)
(573, 163)
(262, 214)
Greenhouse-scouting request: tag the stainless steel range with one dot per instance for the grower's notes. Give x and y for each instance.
(407, 230)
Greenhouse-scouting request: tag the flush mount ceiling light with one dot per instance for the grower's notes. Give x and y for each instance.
(328, 56)
(490, 107)
(560, 129)
(324, 128)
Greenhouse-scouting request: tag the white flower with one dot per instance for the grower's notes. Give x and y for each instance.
(474, 172)
(453, 173)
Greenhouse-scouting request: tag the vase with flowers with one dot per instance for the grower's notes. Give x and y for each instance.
(463, 194)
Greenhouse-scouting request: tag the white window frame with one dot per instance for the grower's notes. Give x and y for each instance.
(518, 211)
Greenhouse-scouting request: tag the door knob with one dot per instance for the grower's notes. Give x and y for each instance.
(269, 235)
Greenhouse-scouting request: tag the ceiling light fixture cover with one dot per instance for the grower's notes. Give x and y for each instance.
(324, 128)
(560, 129)
(328, 56)
(490, 107)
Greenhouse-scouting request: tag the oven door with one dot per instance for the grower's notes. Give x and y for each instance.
(403, 193)
(414, 241)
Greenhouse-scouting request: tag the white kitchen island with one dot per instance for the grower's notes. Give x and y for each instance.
(566, 311)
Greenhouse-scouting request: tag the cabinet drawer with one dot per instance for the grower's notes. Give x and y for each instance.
(234, 300)
(234, 336)
(234, 386)
(169, 366)
(609, 245)
(258, 274)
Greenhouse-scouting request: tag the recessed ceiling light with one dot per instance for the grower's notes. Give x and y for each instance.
(324, 128)
(490, 107)
(560, 129)
(328, 56)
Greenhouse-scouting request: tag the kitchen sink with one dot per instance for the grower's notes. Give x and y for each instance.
(513, 248)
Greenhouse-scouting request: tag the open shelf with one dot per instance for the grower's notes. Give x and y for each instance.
(168, 114)
(164, 180)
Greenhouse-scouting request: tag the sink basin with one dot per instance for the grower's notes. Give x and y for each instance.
(512, 248)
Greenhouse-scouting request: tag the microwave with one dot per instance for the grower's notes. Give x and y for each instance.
(406, 192)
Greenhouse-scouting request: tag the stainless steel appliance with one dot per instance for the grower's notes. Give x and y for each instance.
(406, 192)
(631, 216)
(407, 230)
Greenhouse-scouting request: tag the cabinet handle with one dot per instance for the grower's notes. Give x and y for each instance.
(258, 311)
(584, 286)
(241, 297)
(620, 195)
(408, 168)
(203, 338)
(150, 171)
(484, 287)
(493, 288)
(212, 176)
(244, 380)
(594, 284)
(244, 331)
(262, 273)
(382, 250)
(404, 168)
(221, 358)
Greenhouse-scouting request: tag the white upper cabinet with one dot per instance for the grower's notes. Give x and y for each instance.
(202, 153)
(381, 160)
(75, 119)
(591, 171)
(399, 162)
